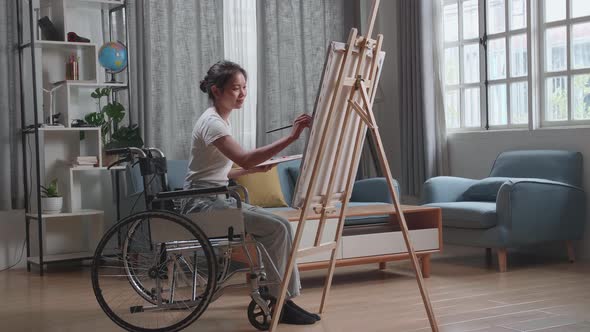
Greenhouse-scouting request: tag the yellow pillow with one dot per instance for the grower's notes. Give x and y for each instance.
(264, 188)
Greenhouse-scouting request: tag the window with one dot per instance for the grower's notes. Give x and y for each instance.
(463, 69)
(565, 62)
(488, 76)
(486, 63)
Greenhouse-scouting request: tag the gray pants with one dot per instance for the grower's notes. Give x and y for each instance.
(272, 231)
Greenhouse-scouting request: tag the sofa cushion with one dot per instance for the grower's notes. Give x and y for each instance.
(293, 171)
(474, 215)
(484, 190)
(350, 221)
(287, 181)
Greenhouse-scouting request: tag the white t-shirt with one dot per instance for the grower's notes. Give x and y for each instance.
(207, 166)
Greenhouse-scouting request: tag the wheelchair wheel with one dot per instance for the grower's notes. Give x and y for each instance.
(256, 315)
(154, 271)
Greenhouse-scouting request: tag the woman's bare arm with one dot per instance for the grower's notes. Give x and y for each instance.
(248, 159)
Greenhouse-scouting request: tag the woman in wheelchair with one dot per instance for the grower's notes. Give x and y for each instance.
(213, 152)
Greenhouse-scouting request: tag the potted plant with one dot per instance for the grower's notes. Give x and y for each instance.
(51, 202)
(108, 117)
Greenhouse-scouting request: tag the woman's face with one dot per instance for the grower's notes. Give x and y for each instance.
(233, 94)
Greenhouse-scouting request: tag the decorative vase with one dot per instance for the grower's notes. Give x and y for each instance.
(51, 205)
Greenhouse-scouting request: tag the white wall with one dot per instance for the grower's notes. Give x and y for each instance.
(472, 156)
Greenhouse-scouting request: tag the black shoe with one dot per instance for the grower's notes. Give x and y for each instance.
(290, 315)
(301, 310)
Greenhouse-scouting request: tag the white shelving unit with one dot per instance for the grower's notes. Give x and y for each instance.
(55, 148)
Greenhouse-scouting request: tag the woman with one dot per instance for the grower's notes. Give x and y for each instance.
(214, 151)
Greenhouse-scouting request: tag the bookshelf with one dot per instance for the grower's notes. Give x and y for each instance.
(49, 150)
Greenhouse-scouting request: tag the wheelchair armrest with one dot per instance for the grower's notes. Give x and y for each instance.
(244, 191)
(168, 195)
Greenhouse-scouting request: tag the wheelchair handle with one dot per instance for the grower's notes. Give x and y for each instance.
(129, 150)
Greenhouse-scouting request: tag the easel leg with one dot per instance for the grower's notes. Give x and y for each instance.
(404, 228)
(289, 270)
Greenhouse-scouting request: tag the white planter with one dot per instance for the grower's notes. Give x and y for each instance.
(51, 205)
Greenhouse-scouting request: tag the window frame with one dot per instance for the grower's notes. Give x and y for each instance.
(569, 72)
(508, 80)
(460, 43)
(485, 83)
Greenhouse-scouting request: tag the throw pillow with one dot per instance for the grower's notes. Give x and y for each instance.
(484, 190)
(264, 188)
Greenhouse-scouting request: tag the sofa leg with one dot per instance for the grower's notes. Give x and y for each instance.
(502, 260)
(382, 265)
(425, 265)
(489, 256)
(570, 251)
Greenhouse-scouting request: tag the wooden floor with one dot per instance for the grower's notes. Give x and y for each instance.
(537, 294)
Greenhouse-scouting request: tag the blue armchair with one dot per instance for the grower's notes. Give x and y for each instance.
(531, 196)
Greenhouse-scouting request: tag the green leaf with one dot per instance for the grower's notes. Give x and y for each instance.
(115, 111)
(95, 118)
(50, 190)
(105, 92)
(126, 136)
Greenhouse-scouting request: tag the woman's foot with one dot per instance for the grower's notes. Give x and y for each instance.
(301, 310)
(290, 315)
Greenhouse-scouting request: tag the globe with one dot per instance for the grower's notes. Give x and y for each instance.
(113, 57)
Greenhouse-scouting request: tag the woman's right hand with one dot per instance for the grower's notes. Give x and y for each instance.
(301, 122)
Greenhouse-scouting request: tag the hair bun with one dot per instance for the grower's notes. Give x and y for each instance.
(203, 85)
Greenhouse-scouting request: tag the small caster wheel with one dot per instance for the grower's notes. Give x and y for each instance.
(256, 315)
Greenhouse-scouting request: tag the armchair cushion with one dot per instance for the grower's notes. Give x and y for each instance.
(474, 215)
(485, 190)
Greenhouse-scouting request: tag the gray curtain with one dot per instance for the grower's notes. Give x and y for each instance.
(292, 45)
(11, 192)
(423, 145)
(172, 43)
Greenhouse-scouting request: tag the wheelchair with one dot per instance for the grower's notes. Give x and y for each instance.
(158, 270)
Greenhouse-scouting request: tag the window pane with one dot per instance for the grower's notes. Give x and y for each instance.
(451, 23)
(496, 16)
(470, 19)
(581, 45)
(471, 63)
(452, 115)
(472, 113)
(498, 105)
(452, 65)
(517, 14)
(580, 8)
(519, 101)
(518, 56)
(497, 58)
(556, 99)
(581, 96)
(555, 10)
(555, 49)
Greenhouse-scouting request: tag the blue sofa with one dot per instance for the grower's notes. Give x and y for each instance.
(367, 239)
(530, 196)
(365, 192)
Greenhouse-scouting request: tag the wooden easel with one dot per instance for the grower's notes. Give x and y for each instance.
(366, 87)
